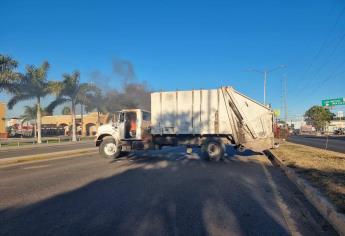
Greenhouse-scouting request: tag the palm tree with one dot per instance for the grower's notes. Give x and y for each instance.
(66, 111)
(30, 114)
(7, 73)
(70, 90)
(33, 85)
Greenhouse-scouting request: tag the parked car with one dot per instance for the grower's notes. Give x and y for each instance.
(339, 131)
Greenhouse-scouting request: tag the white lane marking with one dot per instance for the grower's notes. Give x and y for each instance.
(281, 204)
(34, 167)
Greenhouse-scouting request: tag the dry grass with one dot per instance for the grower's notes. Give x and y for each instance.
(325, 170)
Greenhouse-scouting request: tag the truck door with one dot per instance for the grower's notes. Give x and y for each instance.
(145, 125)
(130, 125)
(121, 125)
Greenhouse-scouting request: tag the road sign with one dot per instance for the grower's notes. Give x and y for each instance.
(333, 102)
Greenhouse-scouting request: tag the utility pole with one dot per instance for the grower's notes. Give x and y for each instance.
(265, 73)
(284, 98)
(265, 82)
(82, 118)
(285, 101)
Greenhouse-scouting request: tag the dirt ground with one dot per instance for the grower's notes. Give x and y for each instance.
(324, 169)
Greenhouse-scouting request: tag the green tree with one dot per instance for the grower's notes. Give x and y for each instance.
(318, 116)
(30, 114)
(8, 75)
(33, 85)
(66, 111)
(70, 90)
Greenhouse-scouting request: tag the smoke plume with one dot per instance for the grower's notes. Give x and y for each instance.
(121, 90)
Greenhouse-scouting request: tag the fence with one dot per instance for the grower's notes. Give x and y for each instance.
(10, 142)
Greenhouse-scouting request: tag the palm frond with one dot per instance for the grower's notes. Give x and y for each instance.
(8, 75)
(7, 63)
(8, 86)
(58, 101)
(30, 85)
(29, 113)
(18, 98)
(55, 87)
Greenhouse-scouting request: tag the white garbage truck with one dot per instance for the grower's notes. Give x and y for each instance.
(209, 119)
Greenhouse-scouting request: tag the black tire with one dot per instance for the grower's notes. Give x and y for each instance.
(213, 149)
(109, 148)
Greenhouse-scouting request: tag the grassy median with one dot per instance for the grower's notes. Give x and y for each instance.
(324, 169)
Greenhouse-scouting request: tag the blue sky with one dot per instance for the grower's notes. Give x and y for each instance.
(187, 44)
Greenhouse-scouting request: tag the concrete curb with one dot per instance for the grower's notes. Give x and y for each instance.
(16, 160)
(325, 208)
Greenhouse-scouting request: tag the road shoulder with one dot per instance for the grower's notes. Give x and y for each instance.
(293, 159)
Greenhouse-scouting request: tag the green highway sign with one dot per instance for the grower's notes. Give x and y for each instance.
(333, 102)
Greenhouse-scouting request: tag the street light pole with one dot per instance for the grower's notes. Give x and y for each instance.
(266, 72)
(265, 82)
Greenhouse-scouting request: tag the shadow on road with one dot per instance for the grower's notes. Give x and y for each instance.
(158, 195)
(180, 152)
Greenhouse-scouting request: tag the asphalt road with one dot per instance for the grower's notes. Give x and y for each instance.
(44, 148)
(154, 193)
(335, 143)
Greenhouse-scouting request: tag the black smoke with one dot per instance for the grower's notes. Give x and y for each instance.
(121, 90)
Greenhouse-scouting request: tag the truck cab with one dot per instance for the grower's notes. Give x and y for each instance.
(128, 130)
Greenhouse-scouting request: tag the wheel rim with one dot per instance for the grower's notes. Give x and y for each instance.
(213, 149)
(110, 149)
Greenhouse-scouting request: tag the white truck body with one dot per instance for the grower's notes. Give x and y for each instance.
(209, 119)
(214, 112)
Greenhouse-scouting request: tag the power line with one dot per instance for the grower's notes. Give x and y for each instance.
(315, 84)
(332, 53)
(323, 45)
(328, 78)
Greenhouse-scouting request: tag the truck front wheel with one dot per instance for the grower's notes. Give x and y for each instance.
(213, 149)
(109, 148)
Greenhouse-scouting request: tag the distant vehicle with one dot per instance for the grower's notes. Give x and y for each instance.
(204, 118)
(340, 131)
(307, 129)
(295, 132)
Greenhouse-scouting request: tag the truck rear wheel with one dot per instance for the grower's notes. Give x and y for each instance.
(213, 149)
(109, 148)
